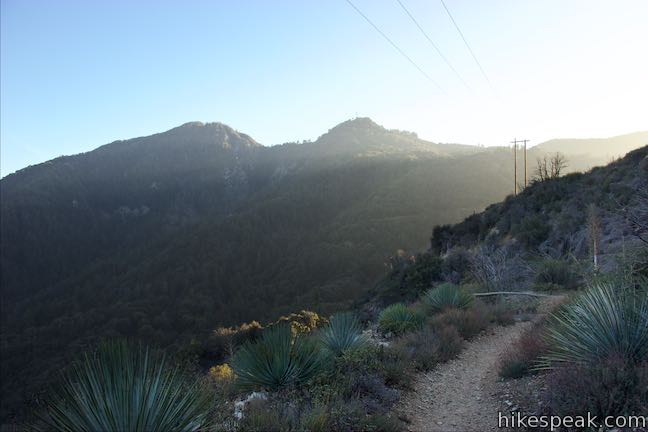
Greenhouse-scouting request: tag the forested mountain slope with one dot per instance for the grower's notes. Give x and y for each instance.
(163, 238)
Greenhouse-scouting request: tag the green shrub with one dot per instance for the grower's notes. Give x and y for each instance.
(522, 357)
(361, 373)
(343, 332)
(223, 341)
(364, 358)
(638, 264)
(556, 273)
(598, 324)
(428, 347)
(120, 388)
(396, 368)
(400, 319)
(409, 277)
(425, 270)
(382, 423)
(469, 323)
(348, 369)
(533, 230)
(456, 265)
(354, 389)
(450, 343)
(420, 348)
(547, 287)
(347, 415)
(316, 419)
(513, 367)
(612, 387)
(446, 296)
(276, 360)
(502, 313)
(261, 416)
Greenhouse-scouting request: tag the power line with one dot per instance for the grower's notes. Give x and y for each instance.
(395, 46)
(433, 44)
(468, 46)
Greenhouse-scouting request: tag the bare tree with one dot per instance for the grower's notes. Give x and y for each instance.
(637, 214)
(558, 163)
(541, 169)
(499, 269)
(550, 167)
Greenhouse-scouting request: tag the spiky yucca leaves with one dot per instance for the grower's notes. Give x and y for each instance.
(599, 324)
(400, 319)
(446, 296)
(343, 332)
(276, 360)
(122, 388)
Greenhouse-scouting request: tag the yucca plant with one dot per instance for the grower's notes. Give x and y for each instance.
(276, 360)
(599, 324)
(121, 388)
(343, 332)
(400, 319)
(446, 296)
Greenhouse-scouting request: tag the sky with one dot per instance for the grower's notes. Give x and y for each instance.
(79, 74)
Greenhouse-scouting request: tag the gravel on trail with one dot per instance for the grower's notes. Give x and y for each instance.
(462, 394)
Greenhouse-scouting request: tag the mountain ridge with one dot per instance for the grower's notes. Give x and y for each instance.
(202, 132)
(163, 237)
(622, 144)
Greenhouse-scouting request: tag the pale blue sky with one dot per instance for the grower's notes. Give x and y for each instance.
(79, 74)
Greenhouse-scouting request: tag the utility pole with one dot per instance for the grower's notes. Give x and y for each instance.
(525, 141)
(526, 179)
(514, 142)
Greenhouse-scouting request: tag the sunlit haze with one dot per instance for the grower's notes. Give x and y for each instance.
(78, 74)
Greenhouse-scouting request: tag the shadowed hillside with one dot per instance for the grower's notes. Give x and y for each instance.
(557, 220)
(163, 238)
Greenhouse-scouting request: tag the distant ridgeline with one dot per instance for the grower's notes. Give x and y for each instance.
(163, 238)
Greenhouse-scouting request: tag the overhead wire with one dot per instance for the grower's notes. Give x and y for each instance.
(409, 59)
(447, 62)
(468, 46)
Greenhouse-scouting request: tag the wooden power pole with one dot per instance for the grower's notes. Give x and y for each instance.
(514, 142)
(525, 141)
(526, 178)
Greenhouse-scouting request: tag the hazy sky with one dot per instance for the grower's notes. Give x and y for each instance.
(78, 74)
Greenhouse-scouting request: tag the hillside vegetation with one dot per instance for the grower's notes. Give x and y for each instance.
(549, 229)
(165, 238)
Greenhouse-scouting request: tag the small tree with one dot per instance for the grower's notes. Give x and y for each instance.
(542, 170)
(558, 163)
(550, 167)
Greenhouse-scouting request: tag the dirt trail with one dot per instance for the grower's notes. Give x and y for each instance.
(460, 395)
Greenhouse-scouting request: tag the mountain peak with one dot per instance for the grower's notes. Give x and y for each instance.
(358, 123)
(208, 133)
(361, 136)
(202, 126)
(191, 124)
